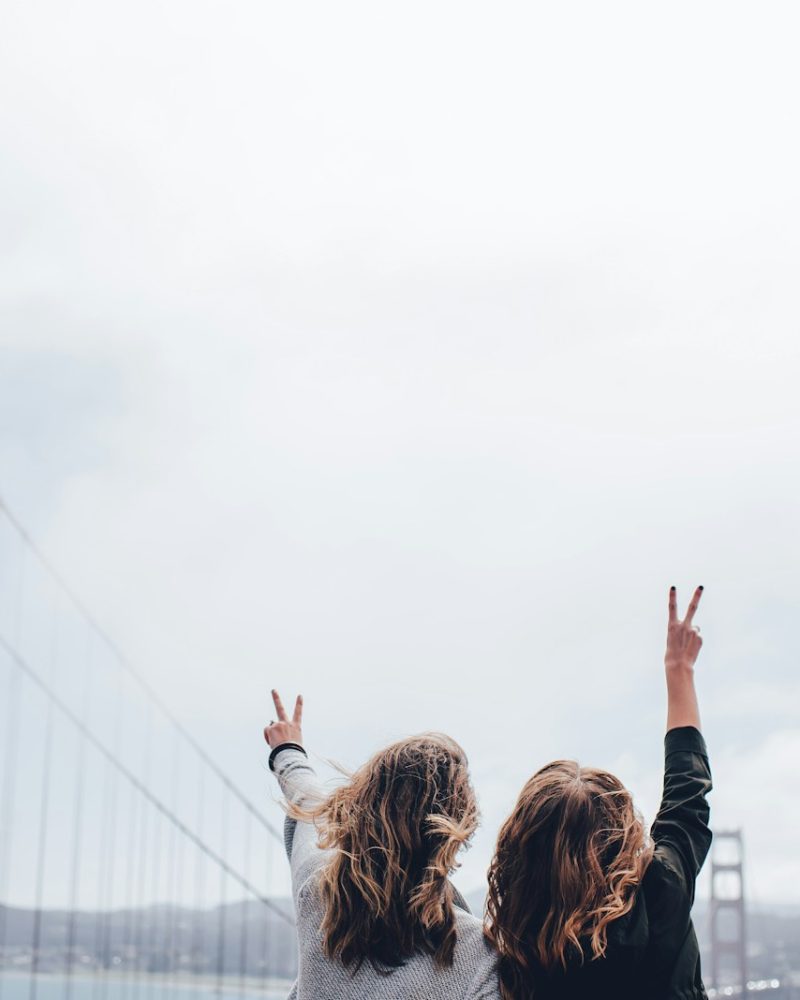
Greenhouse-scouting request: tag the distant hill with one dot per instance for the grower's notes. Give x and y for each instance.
(247, 938)
(243, 938)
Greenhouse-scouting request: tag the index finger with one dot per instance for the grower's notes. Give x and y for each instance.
(279, 706)
(693, 606)
(673, 605)
(298, 710)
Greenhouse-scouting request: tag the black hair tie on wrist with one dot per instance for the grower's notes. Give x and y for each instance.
(284, 746)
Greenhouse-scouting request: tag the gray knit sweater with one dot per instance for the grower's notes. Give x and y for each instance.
(473, 975)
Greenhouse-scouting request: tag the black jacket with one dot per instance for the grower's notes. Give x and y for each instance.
(652, 951)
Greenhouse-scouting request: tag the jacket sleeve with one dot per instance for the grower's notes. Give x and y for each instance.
(680, 833)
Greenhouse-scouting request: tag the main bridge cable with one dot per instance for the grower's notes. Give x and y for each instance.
(128, 667)
(33, 675)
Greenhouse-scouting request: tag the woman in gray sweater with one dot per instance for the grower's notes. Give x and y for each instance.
(377, 915)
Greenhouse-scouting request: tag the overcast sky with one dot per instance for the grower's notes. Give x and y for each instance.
(404, 356)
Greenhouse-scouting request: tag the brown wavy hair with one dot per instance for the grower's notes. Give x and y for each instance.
(396, 828)
(567, 863)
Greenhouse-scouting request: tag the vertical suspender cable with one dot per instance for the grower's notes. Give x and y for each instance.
(111, 863)
(143, 856)
(170, 914)
(198, 935)
(154, 907)
(178, 897)
(44, 812)
(270, 958)
(126, 945)
(222, 896)
(11, 748)
(9, 788)
(101, 868)
(106, 858)
(77, 822)
(245, 907)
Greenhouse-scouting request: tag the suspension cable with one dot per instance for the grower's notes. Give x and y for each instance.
(123, 769)
(128, 667)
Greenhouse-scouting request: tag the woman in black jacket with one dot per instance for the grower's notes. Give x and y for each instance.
(581, 902)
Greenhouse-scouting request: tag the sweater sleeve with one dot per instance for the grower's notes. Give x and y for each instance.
(681, 833)
(301, 786)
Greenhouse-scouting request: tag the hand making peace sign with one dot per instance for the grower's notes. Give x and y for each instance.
(285, 730)
(683, 638)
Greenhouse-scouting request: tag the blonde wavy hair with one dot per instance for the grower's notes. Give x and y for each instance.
(396, 828)
(567, 863)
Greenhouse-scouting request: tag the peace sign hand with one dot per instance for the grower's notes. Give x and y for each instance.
(683, 638)
(285, 730)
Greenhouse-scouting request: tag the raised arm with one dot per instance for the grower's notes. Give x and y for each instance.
(680, 833)
(300, 786)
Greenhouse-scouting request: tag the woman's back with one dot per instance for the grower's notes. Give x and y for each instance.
(469, 971)
(473, 973)
(581, 905)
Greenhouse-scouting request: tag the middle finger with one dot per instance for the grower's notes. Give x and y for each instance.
(693, 606)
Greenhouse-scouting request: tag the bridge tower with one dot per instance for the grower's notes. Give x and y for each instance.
(727, 909)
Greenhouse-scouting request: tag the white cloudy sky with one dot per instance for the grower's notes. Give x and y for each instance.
(405, 355)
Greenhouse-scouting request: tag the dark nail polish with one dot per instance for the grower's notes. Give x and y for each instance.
(671, 588)
(700, 588)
